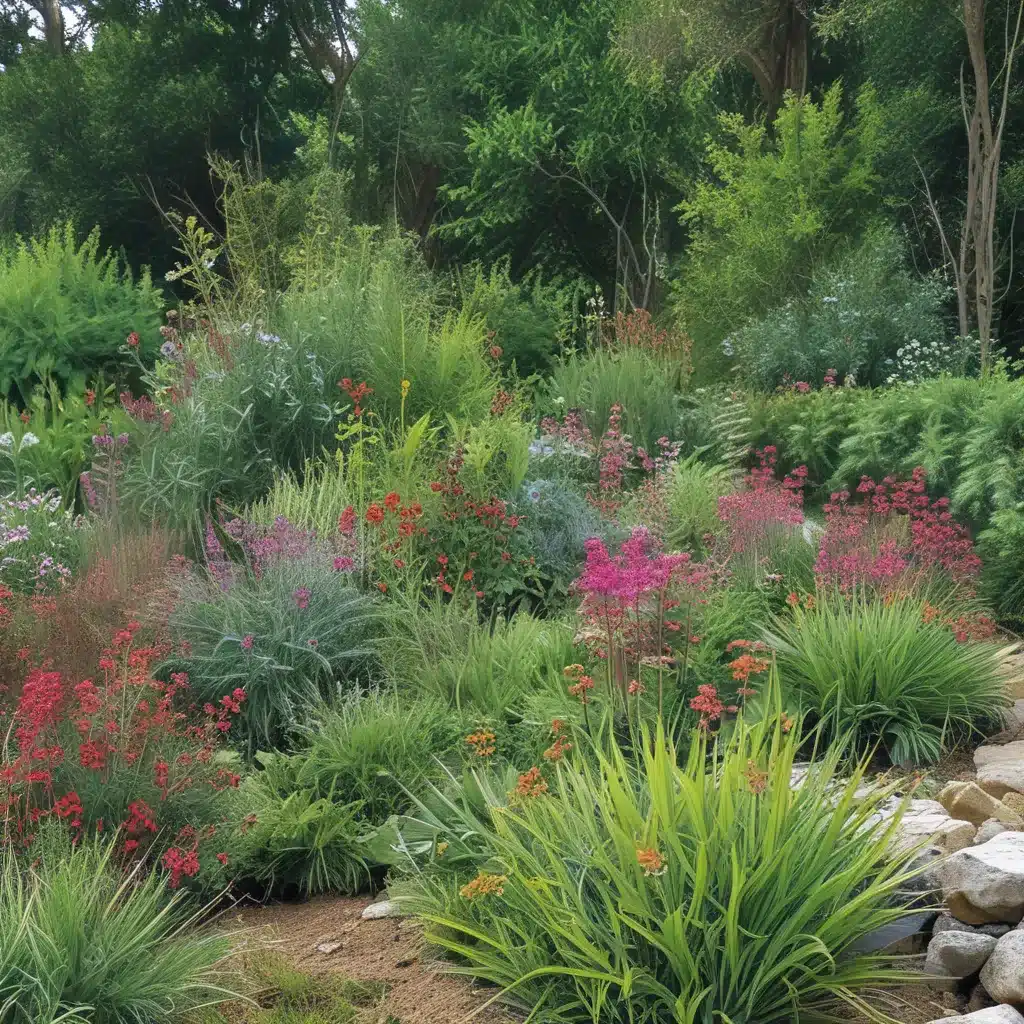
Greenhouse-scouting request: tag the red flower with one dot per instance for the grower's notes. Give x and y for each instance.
(132, 340)
(375, 514)
(347, 520)
(392, 500)
(467, 575)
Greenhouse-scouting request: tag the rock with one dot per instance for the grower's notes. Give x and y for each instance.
(1014, 801)
(328, 947)
(968, 802)
(928, 819)
(992, 1015)
(953, 956)
(1013, 724)
(375, 911)
(989, 830)
(1003, 975)
(984, 884)
(946, 922)
(1000, 768)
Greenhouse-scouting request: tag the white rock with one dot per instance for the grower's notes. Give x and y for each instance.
(328, 947)
(957, 955)
(989, 830)
(928, 819)
(993, 1015)
(375, 911)
(1003, 975)
(1000, 768)
(986, 883)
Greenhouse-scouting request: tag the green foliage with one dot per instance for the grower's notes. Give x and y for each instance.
(288, 996)
(441, 651)
(855, 319)
(595, 381)
(529, 320)
(775, 211)
(304, 647)
(292, 840)
(753, 898)
(694, 488)
(82, 942)
(40, 544)
(64, 425)
(375, 750)
(65, 310)
(378, 318)
(879, 672)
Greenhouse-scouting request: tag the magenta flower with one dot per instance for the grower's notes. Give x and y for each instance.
(302, 596)
(247, 641)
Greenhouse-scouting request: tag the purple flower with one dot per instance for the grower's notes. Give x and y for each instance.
(302, 596)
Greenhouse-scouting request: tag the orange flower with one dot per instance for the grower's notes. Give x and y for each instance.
(557, 750)
(531, 785)
(651, 861)
(580, 689)
(746, 665)
(482, 742)
(485, 884)
(757, 780)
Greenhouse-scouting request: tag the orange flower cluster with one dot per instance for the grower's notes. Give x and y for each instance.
(757, 780)
(485, 884)
(482, 742)
(651, 861)
(582, 685)
(530, 786)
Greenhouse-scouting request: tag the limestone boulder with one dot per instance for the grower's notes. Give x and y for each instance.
(989, 830)
(928, 819)
(1003, 973)
(983, 884)
(1000, 768)
(991, 1015)
(969, 802)
(954, 956)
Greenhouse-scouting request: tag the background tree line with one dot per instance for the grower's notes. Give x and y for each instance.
(712, 160)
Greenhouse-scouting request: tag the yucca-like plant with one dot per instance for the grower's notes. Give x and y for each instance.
(653, 892)
(887, 672)
(80, 944)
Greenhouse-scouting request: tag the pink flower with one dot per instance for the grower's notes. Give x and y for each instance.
(302, 596)
(247, 642)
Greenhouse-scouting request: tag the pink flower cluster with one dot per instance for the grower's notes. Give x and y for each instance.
(764, 504)
(894, 535)
(632, 573)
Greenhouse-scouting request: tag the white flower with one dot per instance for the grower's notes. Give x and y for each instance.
(28, 440)
(7, 440)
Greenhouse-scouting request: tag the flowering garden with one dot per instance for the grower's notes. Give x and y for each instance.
(624, 693)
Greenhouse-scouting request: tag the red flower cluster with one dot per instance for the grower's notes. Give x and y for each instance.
(126, 728)
(357, 392)
(765, 505)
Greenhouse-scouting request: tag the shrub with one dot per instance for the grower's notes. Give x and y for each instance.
(593, 383)
(700, 892)
(291, 840)
(528, 320)
(693, 491)
(442, 650)
(856, 318)
(83, 942)
(888, 672)
(66, 309)
(558, 521)
(285, 624)
(49, 444)
(776, 211)
(376, 749)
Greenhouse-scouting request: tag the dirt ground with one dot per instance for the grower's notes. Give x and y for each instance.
(387, 951)
(418, 992)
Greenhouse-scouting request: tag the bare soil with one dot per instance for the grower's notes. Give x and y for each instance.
(388, 951)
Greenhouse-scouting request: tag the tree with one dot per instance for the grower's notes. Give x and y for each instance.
(770, 38)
